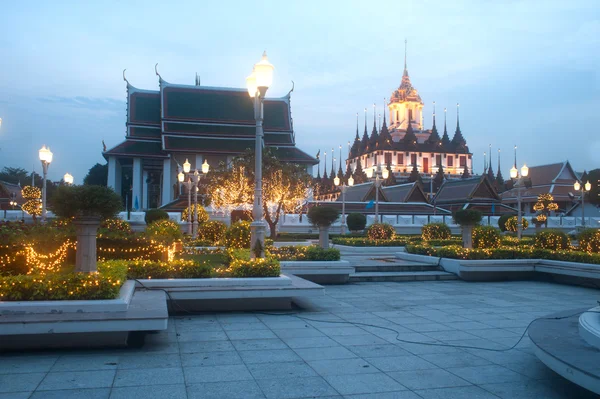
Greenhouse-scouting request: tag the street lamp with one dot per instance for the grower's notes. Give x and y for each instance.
(257, 84)
(68, 178)
(192, 181)
(519, 183)
(384, 175)
(583, 188)
(46, 158)
(344, 187)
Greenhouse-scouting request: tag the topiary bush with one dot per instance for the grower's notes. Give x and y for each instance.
(212, 231)
(381, 231)
(85, 201)
(551, 239)
(356, 221)
(164, 231)
(502, 221)
(486, 237)
(259, 267)
(202, 214)
(512, 223)
(114, 228)
(145, 269)
(322, 216)
(436, 231)
(467, 217)
(152, 215)
(589, 241)
(238, 235)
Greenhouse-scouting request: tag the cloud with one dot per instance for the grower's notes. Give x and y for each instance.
(90, 103)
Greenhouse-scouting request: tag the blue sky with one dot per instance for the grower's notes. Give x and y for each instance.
(525, 73)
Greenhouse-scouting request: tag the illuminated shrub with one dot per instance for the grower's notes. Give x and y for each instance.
(164, 231)
(356, 221)
(589, 240)
(238, 235)
(202, 214)
(212, 231)
(152, 215)
(512, 222)
(436, 231)
(33, 205)
(502, 221)
(551, 239)
(85, 201)
(486, 237)
(260, 267)
(381, 231)
(114, 227)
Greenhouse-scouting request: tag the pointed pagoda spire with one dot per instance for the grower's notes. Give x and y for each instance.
(340, 171)
(365, 138)
(354, 150)
(332, 175)
(319, 166)
(325, 177)
(434, 137)
(374, 135)
(490, 171)
(410, 138)
(458, 140)
(405, 73)
(445, 137)
(484, 163)
(499, 177)
(385, 138)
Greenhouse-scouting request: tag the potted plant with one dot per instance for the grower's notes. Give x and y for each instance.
(88, 206)
(467, 219)
(323, 217)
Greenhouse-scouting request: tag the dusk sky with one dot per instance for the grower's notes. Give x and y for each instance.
(525, 73)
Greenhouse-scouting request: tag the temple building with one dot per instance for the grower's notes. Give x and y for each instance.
(199, 123)
(405, 145)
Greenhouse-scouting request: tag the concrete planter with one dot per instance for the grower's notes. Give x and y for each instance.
(320, 272)
(324, 237)
(87, 229)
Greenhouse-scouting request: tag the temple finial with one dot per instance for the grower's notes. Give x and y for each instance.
(374, 117)
(124, 78)
(357, 137)
(515, 156)
(484, 164)
(498, 159)
(405, 46)
(365, 121)
(490, 161)
(457, 117)
(384, 104)
(433, 114)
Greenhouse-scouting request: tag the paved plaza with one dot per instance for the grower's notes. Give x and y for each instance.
(258, 355)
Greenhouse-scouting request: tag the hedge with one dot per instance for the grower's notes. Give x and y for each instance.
(366, 242)
(305, 253)
(381, 231)
(146, 269)
(261, 267)
(105, 284)
(436, 231)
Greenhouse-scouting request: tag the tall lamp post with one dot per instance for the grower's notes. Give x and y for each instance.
(519, 183)
(188, 183)
(583, 188)
(192, 182)
(46, 158)
(384, 175)
(258, 83)
(68, 178)
(336, 181)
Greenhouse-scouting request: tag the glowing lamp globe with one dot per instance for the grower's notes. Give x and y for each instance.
(513, 172)
(251, 84)
(263, 71)
(524, 170)
(350, 181)
(45, 154)
(205, 167)
(385, 174)
(181, 177)
(68, 178)
(588, 186)
(369, 173)
(336, 181)
(186, 166)
(577, 186)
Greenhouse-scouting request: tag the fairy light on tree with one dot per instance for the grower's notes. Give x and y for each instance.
(544, 205)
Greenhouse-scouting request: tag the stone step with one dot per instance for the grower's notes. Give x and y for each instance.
(401, 276)
(421, 267)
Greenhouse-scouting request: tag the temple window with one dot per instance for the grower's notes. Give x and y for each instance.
(463, 161)
(450, 161)
(400, 159)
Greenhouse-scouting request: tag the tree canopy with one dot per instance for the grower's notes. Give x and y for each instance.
(97, 175)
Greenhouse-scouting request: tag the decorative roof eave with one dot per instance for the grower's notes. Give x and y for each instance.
(128, 153)
(165, 84)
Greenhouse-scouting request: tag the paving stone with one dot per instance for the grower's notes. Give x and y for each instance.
(150, 392)
(281, 370)
(258, 344)
(469, 392)
(269, 356)
(451, 360)
(210, 359)
(93, 393)
(17, 395)
(198, 336)
(85, 362)
(488, 374)
(425, 379)
(11, 364)
(194, 375)
(385, 395)
(400, 363)
(143, 377)
(310, 342)
(363, 383)
(251, 334)
(284, 388)
(378, 350)
(77, 379)
(20, 382)
(221, 390)
(331, 352)
(149, 361)
(200, 347)
(342, 366)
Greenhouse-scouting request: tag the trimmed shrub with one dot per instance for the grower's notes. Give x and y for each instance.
(114, 228)
(212, 231)
(356, 221)
(128, 248)
(512, 222)
(306, 253)
(144, 269)
(381, 231)
(238, 235)
(436, 231)
(322, 216)
(467, 217)
(486, 237)
(589, 241)
(260, 267)
(202, 214)
(85, 201)
(502, 221)
(164, 231)
(152, 215)
(240, 214)
(316, 253)
(551, 239)
(105, 284)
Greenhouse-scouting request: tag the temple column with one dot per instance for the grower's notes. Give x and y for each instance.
(114, 174)
(198, 164)
(166, 182)
(144, 202)
(136, 177)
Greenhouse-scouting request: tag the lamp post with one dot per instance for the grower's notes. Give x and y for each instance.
(344, 187)
(583, 188)
(188, 183)
(519, 183)
(46, 158)
(257, 84)
(384, 175)
(68, 178)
